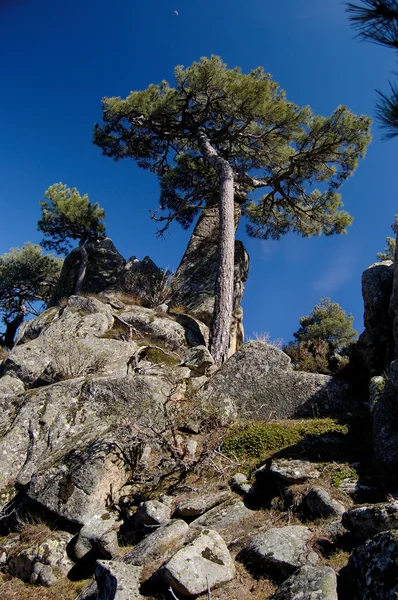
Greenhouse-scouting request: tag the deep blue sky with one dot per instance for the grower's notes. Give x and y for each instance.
(58, 59)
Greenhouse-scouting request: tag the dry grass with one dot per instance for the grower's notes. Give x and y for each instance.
(243, 586)
(178, 309)
(12, 588)
(265, 336)
(33, 532)
(131, 299)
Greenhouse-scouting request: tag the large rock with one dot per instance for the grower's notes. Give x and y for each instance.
(202, 564)
(105, 267)
(364, 522)
(394, 302)
(194, 282)
(372, 568)
(309, 583)
(69, 346)
(142, 278)
(376, 344)
(261, 382)
(280, 551)
(385, 430)
(65, 444)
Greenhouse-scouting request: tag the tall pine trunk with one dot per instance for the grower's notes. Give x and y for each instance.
(222, 316)
(82, 269)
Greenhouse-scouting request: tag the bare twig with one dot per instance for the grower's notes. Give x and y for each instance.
(173, 594)
(234, 462)
(208, 589)
(129, 328)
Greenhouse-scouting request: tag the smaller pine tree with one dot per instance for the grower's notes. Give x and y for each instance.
(66, 216)
(27, 280)
(389, 252)
(323, 339)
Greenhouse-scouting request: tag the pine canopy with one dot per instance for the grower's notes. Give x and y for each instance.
(299, 159)
(66, 215)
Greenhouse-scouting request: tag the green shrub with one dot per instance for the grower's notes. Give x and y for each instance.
(257, 440)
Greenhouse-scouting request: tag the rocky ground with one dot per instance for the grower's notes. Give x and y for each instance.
(133, 467)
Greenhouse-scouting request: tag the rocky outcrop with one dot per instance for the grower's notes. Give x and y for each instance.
(142, 278)
(376, 344)
(105, 268)
(78, 412)
(261, 382)
(194, 282)
(372, 568)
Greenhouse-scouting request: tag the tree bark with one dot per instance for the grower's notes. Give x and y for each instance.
(82, 269)
(12, 328)
(222, 317)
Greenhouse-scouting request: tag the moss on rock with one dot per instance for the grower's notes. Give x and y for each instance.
(260, 439)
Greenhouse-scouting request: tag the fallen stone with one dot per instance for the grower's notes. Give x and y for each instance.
(372, 568)
(202, 564)
(152, 512)
(309, 583)
(117, 581)
(161, 544)
(294, 471)
(196, 506)
(280, 551)
(228, 518)
(97, 536)
(319, 504)
(364, 522)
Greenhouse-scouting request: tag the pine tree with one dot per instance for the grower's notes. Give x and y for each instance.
(324, 335)
(27, 280)
(66, 216)
(221, 133)
(377, 21)
(389, 252)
